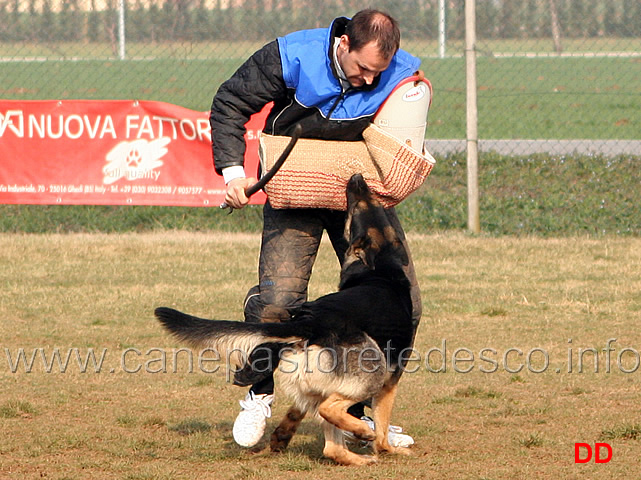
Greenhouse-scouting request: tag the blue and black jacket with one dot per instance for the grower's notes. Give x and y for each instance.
(298, 74)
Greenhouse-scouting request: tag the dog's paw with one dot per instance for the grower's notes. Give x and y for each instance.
(353, 459)
(365, 460)
(408, 452)
(388, 449)
(280, 440)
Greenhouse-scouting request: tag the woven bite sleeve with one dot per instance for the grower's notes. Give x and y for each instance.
(316, 173)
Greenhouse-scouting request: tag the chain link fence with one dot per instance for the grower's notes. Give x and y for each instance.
(557, 75)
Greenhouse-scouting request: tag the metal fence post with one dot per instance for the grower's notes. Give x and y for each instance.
(473, 220)
(121, 29)
(441, 28)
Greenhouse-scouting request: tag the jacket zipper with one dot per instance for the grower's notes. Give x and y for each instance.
(338, 100)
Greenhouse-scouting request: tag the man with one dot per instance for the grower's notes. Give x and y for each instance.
(331, 81)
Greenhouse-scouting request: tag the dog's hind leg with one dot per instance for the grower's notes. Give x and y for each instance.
(382, 406)
(286, 429)
(336, 450)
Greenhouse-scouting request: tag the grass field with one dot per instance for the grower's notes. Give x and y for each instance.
(543, 195)
(546, 298)
(534, 98)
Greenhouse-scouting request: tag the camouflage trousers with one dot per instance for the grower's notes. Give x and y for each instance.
(290, 242)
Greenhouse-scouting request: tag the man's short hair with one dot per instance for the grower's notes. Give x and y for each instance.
(371, 25)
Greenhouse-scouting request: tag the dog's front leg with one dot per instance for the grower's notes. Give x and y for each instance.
(336, 450)
(334, 410)
(382, 406)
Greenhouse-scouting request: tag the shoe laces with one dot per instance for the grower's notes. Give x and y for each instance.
(258, 402)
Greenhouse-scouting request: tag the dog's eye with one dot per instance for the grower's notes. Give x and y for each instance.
(362, 247)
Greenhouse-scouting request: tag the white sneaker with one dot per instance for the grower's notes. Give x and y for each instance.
(250, 423)
(395, 435)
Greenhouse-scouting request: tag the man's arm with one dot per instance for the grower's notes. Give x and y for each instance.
(257, 82)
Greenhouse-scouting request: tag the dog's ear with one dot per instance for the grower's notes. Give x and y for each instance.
(401, 252)
(391, 236)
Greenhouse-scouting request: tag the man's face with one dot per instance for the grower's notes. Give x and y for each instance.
(362, 66)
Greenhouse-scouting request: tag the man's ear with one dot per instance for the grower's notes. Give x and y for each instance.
(344, 43)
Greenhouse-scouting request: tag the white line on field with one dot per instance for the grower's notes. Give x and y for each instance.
(41, 58)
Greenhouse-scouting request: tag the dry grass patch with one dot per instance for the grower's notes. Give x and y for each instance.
(518, 315)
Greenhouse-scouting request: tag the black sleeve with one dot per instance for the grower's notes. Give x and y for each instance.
(257, 82)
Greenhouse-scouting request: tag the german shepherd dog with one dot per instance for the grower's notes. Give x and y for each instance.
(341, 349)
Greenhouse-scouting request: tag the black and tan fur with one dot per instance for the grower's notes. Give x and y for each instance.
(341, 349)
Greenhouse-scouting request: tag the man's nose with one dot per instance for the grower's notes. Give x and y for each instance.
(369, 78)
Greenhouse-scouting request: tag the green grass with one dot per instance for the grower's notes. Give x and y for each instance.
(585, 98)
(17, 408)
(539, 98)
(559, 98)
(532, 441)
(626, 432)
(111, 219)
(476, 393)
(491, 46)
(191, 84)
(536, 195)
(541, 195)
(237, 50)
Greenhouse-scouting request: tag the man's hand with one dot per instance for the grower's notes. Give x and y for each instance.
(421, 76)
(235, 196)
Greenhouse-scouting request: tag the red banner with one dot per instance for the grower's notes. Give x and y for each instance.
(76, 152)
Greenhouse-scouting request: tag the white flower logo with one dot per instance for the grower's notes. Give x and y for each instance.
(134, 160)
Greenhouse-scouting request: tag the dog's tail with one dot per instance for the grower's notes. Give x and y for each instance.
(235, 339)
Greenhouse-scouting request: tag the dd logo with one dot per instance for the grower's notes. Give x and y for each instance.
(588, 453)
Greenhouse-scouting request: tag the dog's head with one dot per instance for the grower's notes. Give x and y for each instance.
(373, 241)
